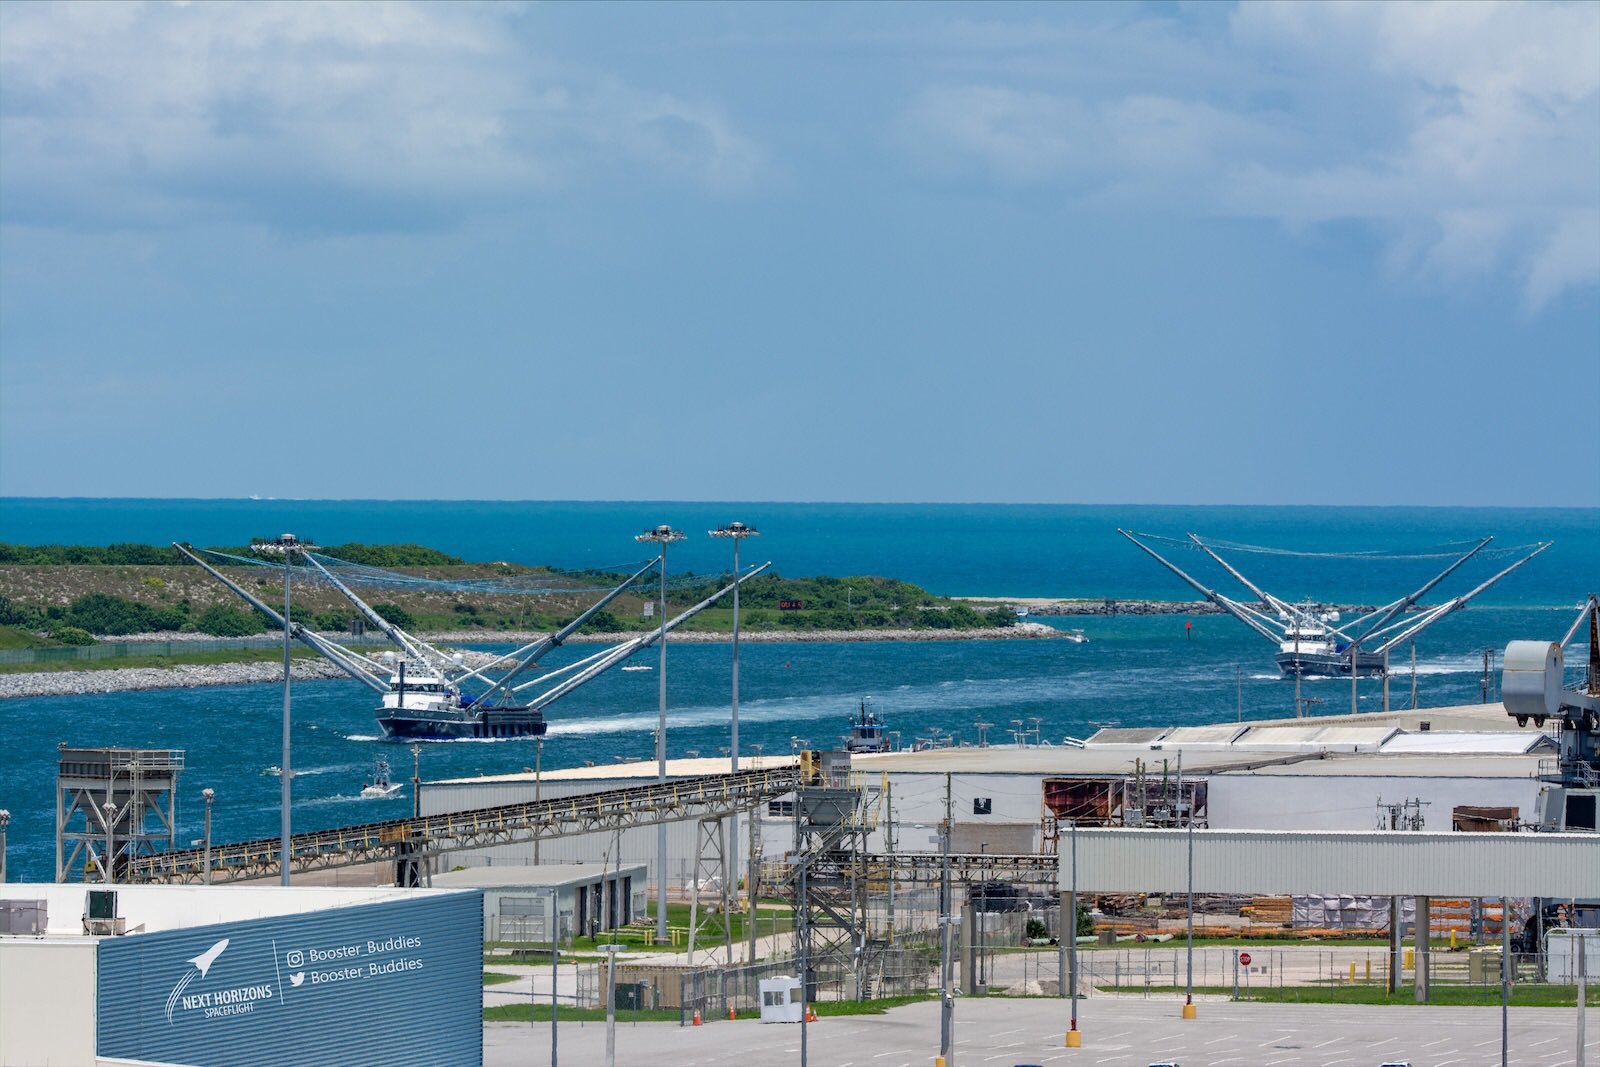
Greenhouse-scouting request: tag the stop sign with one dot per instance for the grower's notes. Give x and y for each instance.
(1244, 958)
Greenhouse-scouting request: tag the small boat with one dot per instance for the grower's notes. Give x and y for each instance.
(380, 786)
(866, 732)
(1077, 637)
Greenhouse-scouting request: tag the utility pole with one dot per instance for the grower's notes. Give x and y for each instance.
(947, 1001)
(661, 536)
(1355, 675)
(5, 820)
(110, 811)
(1413, 676)
(555, 973)
(1188, 818)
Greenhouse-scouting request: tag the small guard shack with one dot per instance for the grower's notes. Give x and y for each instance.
(780, 999)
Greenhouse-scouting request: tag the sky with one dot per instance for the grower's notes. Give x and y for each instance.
(1196, 253)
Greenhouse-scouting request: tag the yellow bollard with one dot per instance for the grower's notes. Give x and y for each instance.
(1369, 968)
(1410, 962)
(938, 1061)
(1352, 970)
(1188, 1011)
(1452, 939)
(1074, 1039)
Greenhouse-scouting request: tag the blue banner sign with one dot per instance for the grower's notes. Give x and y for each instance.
(393, 983)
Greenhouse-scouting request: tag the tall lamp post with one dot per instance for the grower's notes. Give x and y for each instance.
(736, 532)
(209, 794)
(286, 546)
(5, 820)
(662, 536)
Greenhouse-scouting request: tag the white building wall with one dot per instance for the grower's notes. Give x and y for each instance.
(1325, 862)
(1337, 802)
(47, 1002)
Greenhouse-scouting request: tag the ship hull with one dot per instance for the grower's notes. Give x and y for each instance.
(1328, 664)
(412, 725)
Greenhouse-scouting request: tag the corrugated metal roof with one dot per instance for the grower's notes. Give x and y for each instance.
(1288, 861)
(1126, 735)
(1341, 737)
(1507, 744)
(1224, 734)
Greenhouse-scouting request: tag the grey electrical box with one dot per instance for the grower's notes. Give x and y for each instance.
(26, 917)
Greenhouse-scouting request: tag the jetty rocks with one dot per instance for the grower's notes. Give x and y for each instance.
(183, 676)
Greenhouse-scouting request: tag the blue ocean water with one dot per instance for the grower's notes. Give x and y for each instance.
(1134, 670)
(955, 549)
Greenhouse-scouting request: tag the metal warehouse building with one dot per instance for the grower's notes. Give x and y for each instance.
(1330, 773)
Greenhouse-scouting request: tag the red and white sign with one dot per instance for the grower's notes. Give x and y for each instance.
(1244, 959)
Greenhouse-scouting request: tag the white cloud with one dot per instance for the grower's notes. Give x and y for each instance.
(1468, 132)
(127, 111)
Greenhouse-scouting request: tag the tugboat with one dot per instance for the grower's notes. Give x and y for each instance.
(380, 786)
(866, 731)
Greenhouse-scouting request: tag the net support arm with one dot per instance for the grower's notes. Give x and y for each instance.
(1451, 606)
(1238, 611)
(529, 654)
(336, 654)
(1389, 611)
(616, 655)
(411, 647)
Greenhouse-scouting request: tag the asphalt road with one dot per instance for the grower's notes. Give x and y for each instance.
(1116, 1032)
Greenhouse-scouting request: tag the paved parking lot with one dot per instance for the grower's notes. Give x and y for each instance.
(1116, 1032)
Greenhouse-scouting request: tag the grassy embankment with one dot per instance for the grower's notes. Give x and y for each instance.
(74, 595)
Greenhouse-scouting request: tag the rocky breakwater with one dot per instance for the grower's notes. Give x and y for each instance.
(183, 676)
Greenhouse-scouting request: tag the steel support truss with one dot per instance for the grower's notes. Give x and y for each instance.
(710, 872)
(417, 840)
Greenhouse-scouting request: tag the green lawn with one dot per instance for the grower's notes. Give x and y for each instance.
(236, 655)
(496, 978)
(1526, 995)
(12, 637)
(639, 936)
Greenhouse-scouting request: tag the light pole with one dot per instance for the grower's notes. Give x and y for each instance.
(286, 546)
(416, 781)
(110, 811)
(1069, 928)
(209, 794)
(736, 532)
(5, 820)
(662, 536)
(1188, 976)
(611, 1002)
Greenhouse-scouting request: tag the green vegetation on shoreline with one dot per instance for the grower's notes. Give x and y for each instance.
(72, 594)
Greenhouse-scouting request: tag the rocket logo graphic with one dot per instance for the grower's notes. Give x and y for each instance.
(202, 964)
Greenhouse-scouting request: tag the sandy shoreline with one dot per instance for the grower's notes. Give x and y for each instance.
(190, 676)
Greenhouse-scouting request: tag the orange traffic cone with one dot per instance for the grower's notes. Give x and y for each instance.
(697, 1017)
(731, 1013)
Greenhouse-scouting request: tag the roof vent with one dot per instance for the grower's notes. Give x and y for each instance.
(1424, 726)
